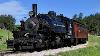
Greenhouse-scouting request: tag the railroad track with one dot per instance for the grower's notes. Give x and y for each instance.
(9, 52)
(2, 53)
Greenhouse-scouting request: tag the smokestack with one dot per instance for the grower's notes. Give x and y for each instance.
(34, 8)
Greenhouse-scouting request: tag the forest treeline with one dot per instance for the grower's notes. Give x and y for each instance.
(7, 21)
(92, 22)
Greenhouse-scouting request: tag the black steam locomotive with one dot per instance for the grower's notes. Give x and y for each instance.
(44, 31)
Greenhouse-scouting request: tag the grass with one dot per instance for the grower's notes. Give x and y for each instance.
(93, 48)
(4, 35)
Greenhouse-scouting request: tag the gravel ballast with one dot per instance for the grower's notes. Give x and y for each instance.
(48, 52)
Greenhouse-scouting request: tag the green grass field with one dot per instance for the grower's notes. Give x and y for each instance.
(93, 48)
(4, 35)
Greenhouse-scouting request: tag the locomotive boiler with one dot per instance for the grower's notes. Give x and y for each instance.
(44, 31)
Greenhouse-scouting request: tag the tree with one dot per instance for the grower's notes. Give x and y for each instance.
(93, 23)
(80, 15)
(8, 21)
(75, 17)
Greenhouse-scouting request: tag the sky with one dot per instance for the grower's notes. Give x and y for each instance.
(19, 8)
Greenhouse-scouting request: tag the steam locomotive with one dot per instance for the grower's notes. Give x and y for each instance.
(44, 31)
